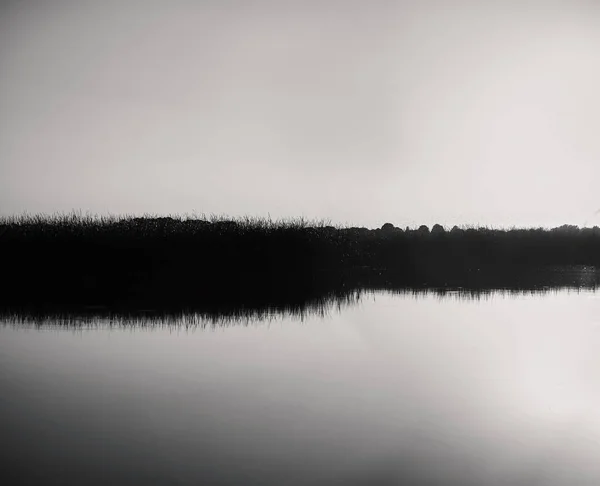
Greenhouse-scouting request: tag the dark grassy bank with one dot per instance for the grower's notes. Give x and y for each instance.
(70, 262)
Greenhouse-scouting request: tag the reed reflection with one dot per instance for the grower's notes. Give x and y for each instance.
(242, 314)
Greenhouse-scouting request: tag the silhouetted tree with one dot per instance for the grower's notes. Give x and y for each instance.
(438, 229)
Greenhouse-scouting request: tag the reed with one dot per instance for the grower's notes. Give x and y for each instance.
(181, 262)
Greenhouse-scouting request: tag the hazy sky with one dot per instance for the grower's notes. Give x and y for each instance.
(413, 112)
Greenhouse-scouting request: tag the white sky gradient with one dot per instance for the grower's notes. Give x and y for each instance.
(361, 112)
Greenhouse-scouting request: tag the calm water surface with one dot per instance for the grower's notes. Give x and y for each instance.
(504, 390)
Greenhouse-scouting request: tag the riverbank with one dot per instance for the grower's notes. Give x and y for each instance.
(75, 261)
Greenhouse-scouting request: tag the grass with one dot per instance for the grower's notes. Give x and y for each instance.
(213, 264)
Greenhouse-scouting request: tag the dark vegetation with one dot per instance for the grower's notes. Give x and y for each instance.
(177, 265)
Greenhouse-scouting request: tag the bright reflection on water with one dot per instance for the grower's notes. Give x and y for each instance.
(426, 390)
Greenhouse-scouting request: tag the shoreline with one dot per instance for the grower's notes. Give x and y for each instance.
(74, 261)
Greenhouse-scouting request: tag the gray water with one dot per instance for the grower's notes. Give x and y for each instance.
(504, 390)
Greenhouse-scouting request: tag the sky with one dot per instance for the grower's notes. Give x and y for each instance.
(356, 112)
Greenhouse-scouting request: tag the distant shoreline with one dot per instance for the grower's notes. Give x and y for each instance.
(170, 263)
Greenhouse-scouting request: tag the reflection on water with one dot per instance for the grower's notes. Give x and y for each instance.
(99, 317)
(257, 297)
(420, 388)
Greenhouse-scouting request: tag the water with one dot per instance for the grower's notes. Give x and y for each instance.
(425, 390)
